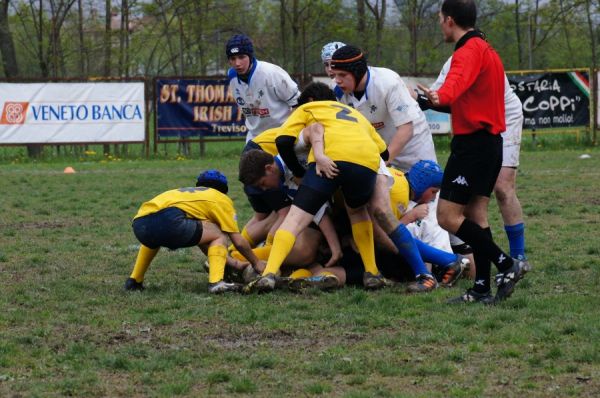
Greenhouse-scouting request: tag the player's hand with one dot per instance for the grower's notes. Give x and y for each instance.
(260, 266)
(297, 180)
(236, 264)
(326, 167)
(336, 255)
(419, 212)
(432, 95)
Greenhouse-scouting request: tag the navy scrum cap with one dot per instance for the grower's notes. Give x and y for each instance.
(423, 175)
(213, 179)
(239, 44)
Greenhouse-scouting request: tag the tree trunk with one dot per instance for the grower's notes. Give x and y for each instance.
(107, 39)
(7, 47)
(379, 15)
(518, 34)
(282, 28)
(360, 18)
(82, 49)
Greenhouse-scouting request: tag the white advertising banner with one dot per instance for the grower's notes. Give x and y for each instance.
(47, 113)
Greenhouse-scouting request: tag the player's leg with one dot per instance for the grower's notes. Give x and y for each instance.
(512, 213)
(468, 181)
(213, 242)
(169, 228)
(143, 260)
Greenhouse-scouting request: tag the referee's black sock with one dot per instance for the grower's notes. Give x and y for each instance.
(482, 269)
(481, 242)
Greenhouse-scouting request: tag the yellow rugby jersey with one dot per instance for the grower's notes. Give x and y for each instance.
(200, 203)
(349, 136)
(399, 193)
(266, 140)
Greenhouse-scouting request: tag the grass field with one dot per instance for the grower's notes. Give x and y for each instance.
(67, 328)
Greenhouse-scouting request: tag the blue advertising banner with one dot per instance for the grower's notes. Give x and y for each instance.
(553, 99)
(194, 108)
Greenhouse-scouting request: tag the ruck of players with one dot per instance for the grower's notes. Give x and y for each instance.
(344, 183)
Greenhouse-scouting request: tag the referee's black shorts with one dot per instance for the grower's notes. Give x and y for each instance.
(473, 166)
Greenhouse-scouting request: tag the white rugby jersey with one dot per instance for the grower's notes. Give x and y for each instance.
(387, 104)
(266, 99)
(512, 103)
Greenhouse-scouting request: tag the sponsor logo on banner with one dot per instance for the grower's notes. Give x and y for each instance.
(14, 112)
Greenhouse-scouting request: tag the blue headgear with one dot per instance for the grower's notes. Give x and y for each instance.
(213, 179)
(239, 44)
(423, 175)
(329, 49)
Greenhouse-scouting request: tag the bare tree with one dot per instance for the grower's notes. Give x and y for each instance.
(378, 10)
(361, 25)
(82, 48)
(7, 47)
(518, 33)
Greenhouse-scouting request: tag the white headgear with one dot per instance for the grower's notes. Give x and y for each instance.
(329, 49)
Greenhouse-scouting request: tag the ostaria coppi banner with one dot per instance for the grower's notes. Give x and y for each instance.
(47, 113)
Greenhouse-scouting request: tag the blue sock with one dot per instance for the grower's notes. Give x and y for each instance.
(516, 239)
(435, 256)
(405, 243)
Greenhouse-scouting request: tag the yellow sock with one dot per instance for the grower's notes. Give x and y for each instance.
(301, 273)
(247, 237)
(326, 273)
(363, 237)
(269, 240)
(261, 252)
(142, 262)
(217, 256)
(282, 245)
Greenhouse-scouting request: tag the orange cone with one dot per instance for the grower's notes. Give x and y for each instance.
(69, 170)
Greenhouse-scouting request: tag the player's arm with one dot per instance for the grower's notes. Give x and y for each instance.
(286, 140)
(245, 250)
(285, 87)
(403, 134)
(418, 212)
(464, 69)
(315, 135)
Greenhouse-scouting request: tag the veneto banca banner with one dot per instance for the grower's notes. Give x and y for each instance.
(46, 113)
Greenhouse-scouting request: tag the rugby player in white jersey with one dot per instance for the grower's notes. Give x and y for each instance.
(264, 91)
(326, 54)
(383, 98)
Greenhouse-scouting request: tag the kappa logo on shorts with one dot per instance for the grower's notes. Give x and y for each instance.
(14, 112)
(460, 180)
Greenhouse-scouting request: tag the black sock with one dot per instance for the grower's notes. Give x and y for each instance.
(481, 242)
(483, 268)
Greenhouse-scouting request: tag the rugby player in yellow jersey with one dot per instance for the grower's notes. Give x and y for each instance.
(355, 147)
(268, 205)
(193, 216)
